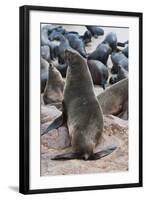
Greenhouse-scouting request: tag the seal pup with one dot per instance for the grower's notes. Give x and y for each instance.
(99, 72)
(53, 93)
(81, 110)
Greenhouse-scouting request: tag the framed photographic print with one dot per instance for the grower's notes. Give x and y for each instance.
(80, 99)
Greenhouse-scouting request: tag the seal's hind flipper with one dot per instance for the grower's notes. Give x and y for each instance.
(102, 153)
(96, 156)
(67, 156)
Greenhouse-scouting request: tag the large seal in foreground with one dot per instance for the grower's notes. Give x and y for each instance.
(81, 110)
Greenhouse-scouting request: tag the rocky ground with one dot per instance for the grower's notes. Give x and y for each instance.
(57, 142)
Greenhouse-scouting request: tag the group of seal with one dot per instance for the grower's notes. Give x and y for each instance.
(82, 111)
(51, 34)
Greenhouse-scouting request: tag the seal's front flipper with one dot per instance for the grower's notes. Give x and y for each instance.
(102, 153)
(67, 156)
(122, 44)
(59, 121)
(54, 125)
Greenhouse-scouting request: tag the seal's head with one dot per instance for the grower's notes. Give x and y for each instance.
(113, 79)
(53, 74)
(72, 57)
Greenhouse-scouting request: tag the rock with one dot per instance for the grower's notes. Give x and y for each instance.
(56, 139)
(49, 113)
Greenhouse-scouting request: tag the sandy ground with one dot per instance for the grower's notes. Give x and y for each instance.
(118, 160)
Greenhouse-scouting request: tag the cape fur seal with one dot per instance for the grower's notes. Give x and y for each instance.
(101, 53)
(64, 44)
(95, 31)
(76, 43)
(53, 92)
(121, 74)
(99, 72)
(111, 40)
(119, 59)
(81, 110)
(114, 100)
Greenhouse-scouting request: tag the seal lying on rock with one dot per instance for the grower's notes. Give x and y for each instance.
(81, 111)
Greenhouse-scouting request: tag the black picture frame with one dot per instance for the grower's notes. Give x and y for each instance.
(25, 105)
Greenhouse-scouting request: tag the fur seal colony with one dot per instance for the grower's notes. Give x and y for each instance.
(82, 111)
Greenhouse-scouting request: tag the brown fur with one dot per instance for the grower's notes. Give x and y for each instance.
(114, 99)
(53, 92)
(84, 114)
